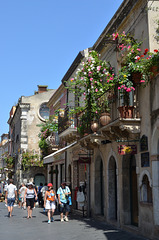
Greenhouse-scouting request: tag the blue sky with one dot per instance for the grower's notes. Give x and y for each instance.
(39, 39)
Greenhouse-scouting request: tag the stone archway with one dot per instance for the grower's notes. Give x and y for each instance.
(99, 187)
(112, 189)
(39, 178)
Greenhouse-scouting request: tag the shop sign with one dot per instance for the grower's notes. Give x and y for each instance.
(127, 149)
(85, 160)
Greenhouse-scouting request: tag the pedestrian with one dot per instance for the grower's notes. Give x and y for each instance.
(49, 202)
(22, 192)
(63, 194)
(10, 196)
(40, 194)
(43, 190)
(29, 196)
(19, 198)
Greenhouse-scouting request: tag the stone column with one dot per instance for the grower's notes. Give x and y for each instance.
(155, 188)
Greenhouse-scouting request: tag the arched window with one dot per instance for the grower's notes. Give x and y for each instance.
(146, 190)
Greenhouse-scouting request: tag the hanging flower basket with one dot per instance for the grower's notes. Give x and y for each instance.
(105, 119)
(126, 111)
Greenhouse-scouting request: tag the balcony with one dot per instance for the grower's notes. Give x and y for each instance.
(123, 124)
(67, 126)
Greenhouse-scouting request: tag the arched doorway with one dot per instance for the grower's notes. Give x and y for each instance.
(112, 189)
(99, 187)
(39, 178)
(130, 190)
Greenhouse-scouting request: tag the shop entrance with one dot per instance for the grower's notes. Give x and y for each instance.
(99, 187)
(112, 189)
(130, 193)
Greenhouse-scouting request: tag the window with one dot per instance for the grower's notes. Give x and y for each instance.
(146, 190)
(44, 111)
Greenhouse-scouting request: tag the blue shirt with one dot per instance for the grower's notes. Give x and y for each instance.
(62, 192)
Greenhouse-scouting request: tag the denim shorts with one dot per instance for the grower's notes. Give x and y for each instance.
(10, 202)
(64, 207)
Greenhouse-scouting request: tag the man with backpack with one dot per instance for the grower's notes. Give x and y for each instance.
(63, 198)
(49, 202)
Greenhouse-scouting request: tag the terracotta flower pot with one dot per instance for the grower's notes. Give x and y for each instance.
(154, 70)
(136, 77)
(126, 111)
(105, 119)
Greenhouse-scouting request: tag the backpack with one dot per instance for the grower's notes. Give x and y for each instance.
(51, 195)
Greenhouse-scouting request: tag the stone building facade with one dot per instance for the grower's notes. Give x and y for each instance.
(123, 189)
(30, 111)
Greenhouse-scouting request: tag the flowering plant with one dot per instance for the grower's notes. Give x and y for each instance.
(93, 79)
(133, 61)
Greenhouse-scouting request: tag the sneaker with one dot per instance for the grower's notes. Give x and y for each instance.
(8, 214)
(66, 219)
(62, 220)
(49, 221)
(52, 220)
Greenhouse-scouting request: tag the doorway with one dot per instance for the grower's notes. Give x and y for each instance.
(112, 189)
(99, 187)
(130, 191)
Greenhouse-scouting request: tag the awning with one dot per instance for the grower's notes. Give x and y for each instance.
(50, 158)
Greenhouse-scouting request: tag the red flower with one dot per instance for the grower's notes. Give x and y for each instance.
(142, 56)
(155, 50)
(146, 50)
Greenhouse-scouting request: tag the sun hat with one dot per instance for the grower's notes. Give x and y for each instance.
(30, 183)
(49, 185)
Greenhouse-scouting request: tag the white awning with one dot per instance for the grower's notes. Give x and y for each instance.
(50, 158)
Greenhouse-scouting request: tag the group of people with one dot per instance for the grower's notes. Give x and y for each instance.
(29, 195)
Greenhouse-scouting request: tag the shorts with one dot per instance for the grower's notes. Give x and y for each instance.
(30, 202)
(50, 205)
(64, 207)
(10, 202)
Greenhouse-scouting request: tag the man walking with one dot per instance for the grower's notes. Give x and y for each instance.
(11, 195)
(63, 194)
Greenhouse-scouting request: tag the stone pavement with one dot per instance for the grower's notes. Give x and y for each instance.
(18, 227)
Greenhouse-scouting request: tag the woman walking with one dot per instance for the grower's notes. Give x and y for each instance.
(29, 196)
(49, 202)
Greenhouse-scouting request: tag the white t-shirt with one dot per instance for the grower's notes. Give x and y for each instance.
(22, 191)
(11, 188)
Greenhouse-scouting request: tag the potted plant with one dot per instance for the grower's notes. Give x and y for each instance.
(104, 110)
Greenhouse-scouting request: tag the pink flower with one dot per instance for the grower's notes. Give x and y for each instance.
(84, 93)
(91, 79)
(96, 90)
(95, 81)
(128, 89)
(119, 88)
(101, 80)
(111, 78)
(142, 81)
(96, 111)
(98, 68)
(133, 88)
(129, 46)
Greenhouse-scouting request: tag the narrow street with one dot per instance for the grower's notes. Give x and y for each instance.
(20, 228)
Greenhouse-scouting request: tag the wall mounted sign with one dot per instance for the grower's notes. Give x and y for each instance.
(127, 149)
(145, 161)
(144, 143)
(85, 160)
